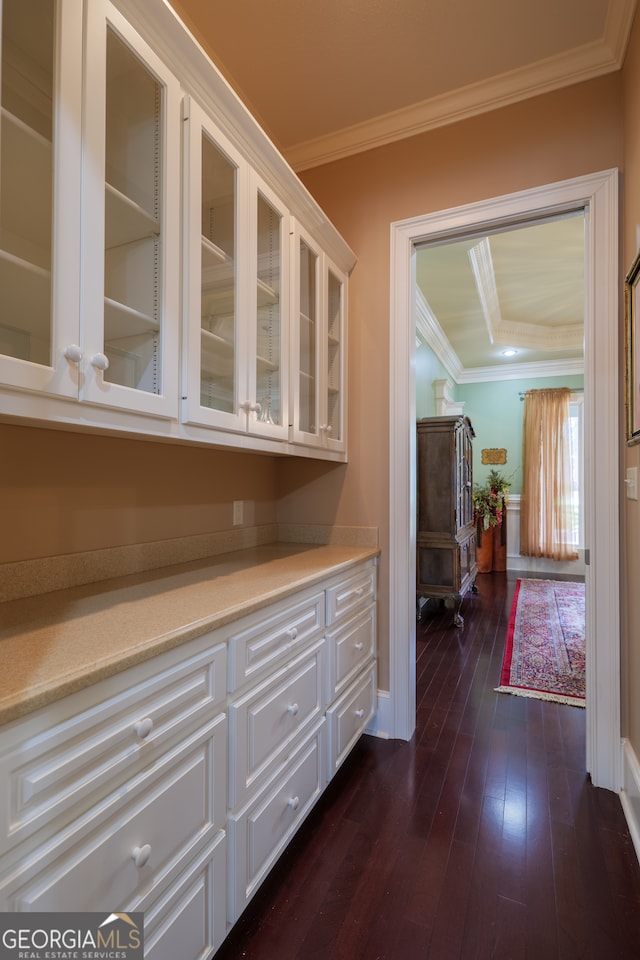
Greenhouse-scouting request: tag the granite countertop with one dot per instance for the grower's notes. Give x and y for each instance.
(57, 643)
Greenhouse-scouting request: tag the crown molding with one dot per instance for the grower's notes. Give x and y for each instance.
(575, 66)
(516, 333)
(429, 330)
(431, 333)
(521, 371)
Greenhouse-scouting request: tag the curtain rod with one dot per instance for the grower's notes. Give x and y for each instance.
(523, 394)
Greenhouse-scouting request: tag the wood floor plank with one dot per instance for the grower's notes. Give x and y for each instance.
(481, 838)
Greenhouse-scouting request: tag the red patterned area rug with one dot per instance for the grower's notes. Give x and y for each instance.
(544, 655)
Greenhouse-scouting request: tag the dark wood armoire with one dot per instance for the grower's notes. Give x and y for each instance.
(446, 534)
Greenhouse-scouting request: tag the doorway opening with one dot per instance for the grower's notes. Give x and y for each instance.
(499, 314)
(597, 195)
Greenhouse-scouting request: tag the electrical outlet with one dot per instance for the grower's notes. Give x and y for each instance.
(237, 512)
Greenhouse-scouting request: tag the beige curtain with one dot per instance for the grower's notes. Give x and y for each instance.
(546, 476)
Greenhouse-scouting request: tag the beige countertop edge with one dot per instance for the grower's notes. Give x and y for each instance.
(71, 666)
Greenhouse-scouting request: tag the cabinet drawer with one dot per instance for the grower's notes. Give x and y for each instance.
(272, 636)
(52, 767)
(259, 834)
(348, 717)
(264, 724)
(354, 592)
(348, 650)
(190, 919)
(93, 860)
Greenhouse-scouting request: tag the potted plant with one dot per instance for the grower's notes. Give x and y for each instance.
(489, 503)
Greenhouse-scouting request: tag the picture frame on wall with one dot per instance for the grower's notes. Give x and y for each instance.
(632, 340)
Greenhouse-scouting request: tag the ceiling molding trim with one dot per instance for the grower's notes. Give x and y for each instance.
(430, 332)
(484, 275)
(576, 66)
(520, 371)
(532, 336)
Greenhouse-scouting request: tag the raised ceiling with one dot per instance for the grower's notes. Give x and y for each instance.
(326, 79)
(487, 305)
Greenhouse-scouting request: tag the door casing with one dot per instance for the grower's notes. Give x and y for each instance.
(597, 195)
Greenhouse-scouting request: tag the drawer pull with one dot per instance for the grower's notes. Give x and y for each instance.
(360, 713)
(292, 633)
(359, 592)
(359, 645)
(140, 855)
(144, 727)
(293, 802)
(293, 709)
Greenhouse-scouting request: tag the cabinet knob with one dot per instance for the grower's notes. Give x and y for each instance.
(359, 592)
(144, 727)
(293, 709)
(359, 645)
(73, 353)
(292, 633)
(293, 802)
(360, 713)
(140, 855)
(100, 361)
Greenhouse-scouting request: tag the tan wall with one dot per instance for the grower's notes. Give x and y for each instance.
(65, 493)
(631, 455)
(565, 134)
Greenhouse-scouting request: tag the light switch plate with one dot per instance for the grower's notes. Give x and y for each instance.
(631, 483)
(238, 512)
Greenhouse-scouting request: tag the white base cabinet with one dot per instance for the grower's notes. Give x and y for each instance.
(173, 787)
(115, 798)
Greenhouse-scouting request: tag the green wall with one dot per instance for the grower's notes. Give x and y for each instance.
(495, 411)
(428, 369)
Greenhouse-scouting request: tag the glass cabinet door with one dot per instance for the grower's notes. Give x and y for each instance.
(307, 344)
(40, 155)
(267, 388)
(212, 372)
(132, 309)
(319, 347)
(333, 421)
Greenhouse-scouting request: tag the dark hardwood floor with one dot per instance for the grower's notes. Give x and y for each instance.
(482, 837)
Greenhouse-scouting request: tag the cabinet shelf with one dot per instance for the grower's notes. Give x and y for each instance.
(212, 255)
(121, 321)
(26, 295)
(216, 355)
(266, 366)
(125, 220)
(25, 211)
(267, 295)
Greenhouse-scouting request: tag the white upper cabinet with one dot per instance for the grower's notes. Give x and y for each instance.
(236, 289)
(318, 346)
(131, 224)
(149, 283)
(40, 166)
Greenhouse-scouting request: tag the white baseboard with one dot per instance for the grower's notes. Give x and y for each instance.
(630, 793)
(381, 726)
